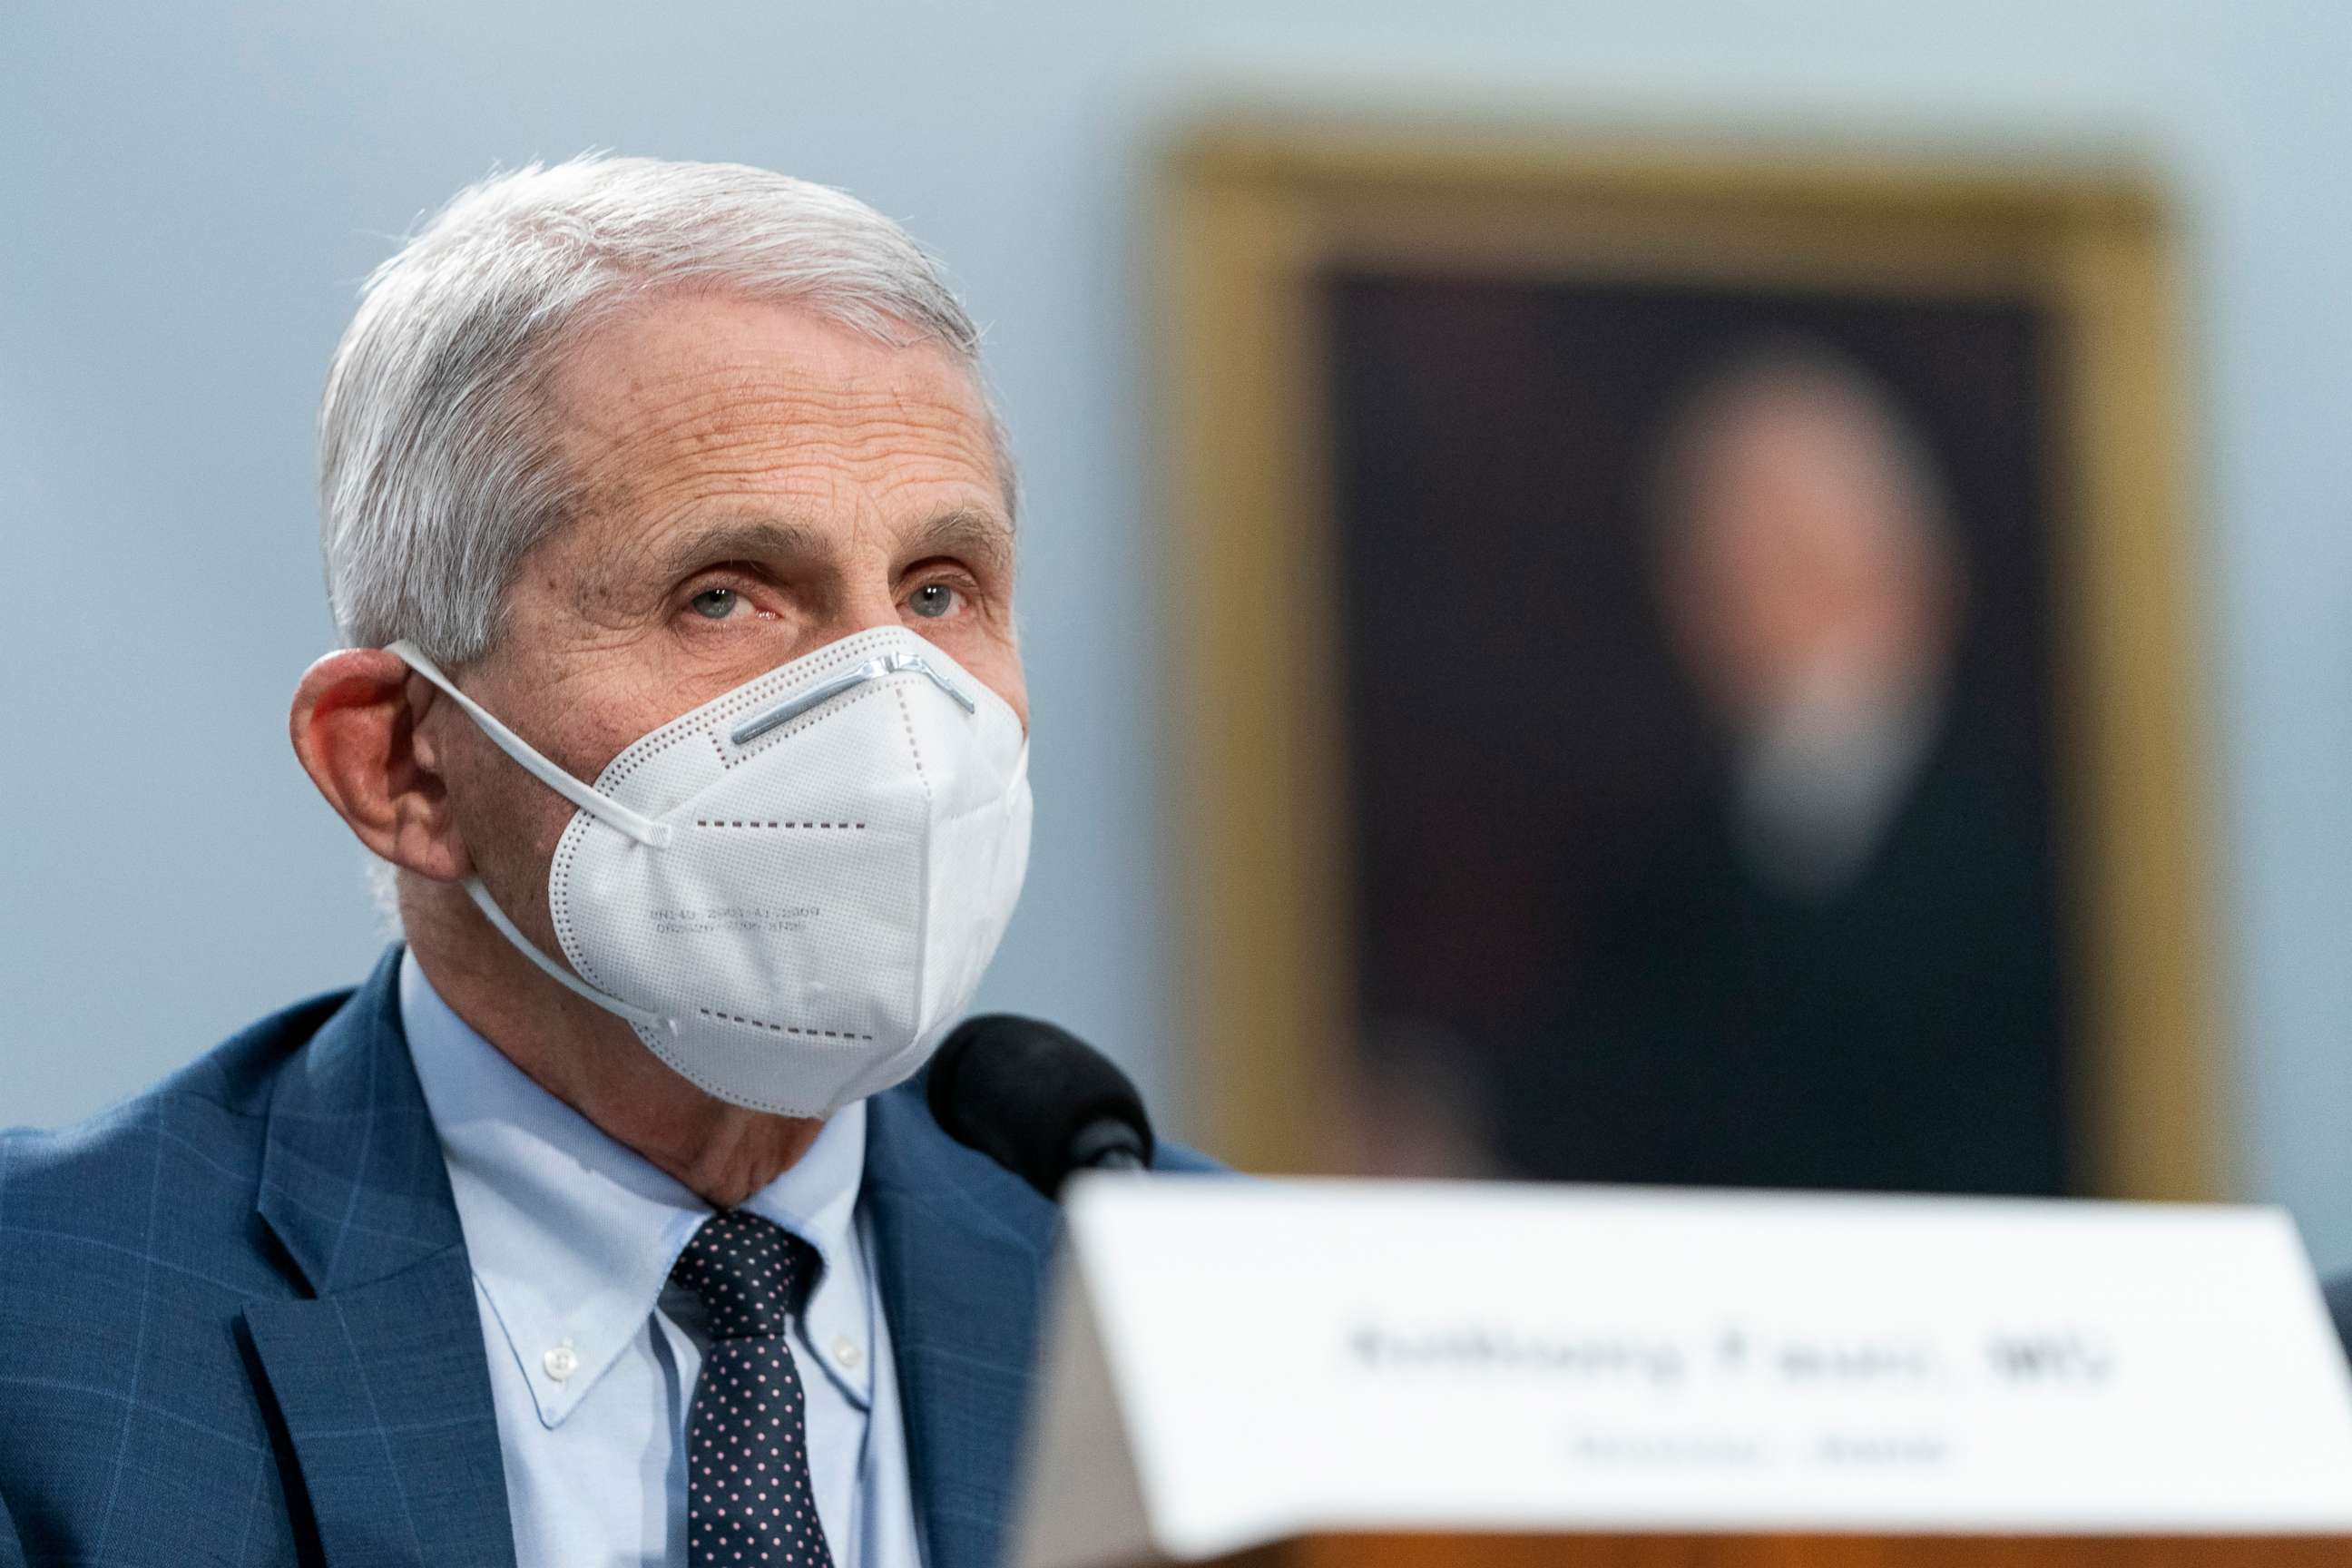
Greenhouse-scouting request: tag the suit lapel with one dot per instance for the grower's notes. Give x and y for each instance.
(379, 1377)
(380, 1381)
(960, 1248)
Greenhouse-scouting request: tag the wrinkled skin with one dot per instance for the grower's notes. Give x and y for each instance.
(760, 483)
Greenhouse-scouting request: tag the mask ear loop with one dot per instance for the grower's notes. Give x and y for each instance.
(644, 829)
(556, 971)
(612, 813)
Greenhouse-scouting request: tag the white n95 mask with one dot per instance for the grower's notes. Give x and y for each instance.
(793, 890)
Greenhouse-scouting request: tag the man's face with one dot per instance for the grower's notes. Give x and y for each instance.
(1806, 550)
(760, 483)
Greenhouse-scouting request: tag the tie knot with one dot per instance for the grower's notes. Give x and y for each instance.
(749, 1274)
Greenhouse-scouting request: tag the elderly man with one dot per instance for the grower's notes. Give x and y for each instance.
(669, 530)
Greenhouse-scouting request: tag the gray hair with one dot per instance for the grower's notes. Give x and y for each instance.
(439, 469)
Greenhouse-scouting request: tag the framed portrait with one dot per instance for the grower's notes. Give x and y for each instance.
(1685, 666)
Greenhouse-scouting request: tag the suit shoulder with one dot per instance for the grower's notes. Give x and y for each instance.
(130, 1246)
(908, 1150)
(181, 1157)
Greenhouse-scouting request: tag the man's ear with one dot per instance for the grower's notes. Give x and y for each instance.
(354, 727)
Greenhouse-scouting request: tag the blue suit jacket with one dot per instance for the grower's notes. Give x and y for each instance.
(237, 1321)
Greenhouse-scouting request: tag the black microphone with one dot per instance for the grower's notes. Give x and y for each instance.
(1038, 1101)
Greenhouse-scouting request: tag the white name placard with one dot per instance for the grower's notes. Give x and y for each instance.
(1232, 1362)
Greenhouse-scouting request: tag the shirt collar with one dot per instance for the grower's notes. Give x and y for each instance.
(573, 1235)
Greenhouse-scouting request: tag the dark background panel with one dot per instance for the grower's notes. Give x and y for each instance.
(1544, 924)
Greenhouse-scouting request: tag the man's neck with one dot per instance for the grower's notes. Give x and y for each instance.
(591, 1060)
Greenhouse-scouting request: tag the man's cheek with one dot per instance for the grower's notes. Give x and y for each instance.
(512, 827)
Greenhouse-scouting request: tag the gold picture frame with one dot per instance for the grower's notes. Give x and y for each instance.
(1255, 212)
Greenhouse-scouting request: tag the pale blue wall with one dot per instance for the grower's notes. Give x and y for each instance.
(188, 194)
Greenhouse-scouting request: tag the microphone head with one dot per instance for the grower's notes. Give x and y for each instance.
(1037, 1100)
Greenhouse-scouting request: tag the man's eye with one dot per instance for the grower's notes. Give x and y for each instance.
(714, 604)
(932, 600)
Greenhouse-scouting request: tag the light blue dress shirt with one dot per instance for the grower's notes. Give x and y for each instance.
(572, 1238)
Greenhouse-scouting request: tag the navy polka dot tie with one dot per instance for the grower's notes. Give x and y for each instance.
(747, 1499)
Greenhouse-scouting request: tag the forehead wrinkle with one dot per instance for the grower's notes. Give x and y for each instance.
(715, 418)
(723, 439)
(669, 436)
(705, 397)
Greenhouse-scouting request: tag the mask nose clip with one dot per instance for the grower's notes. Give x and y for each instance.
(850, 679)
(916, 664)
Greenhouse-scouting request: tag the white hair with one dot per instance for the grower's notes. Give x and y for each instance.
(439, 465)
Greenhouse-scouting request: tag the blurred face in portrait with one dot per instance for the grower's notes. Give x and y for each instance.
(1814, 597)
(1805, 543)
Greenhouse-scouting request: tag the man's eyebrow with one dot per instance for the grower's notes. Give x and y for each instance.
(969, 531)
(744, 538)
